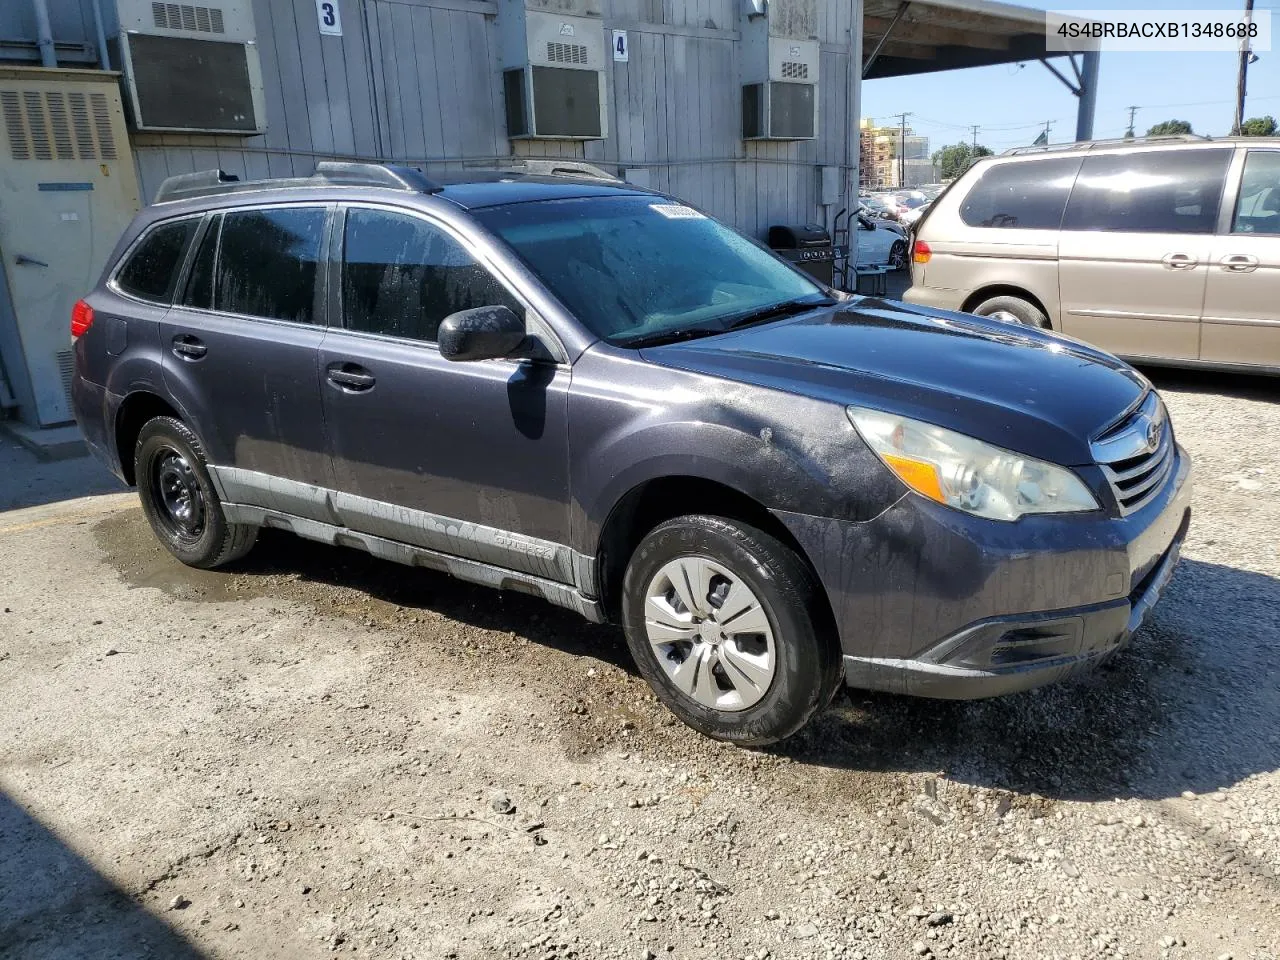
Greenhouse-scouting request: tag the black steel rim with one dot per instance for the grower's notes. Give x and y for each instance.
(177, 494)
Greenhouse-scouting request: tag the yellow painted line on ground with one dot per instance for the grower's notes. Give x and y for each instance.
(66, 512)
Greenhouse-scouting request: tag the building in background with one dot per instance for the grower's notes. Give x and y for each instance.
(892, 158)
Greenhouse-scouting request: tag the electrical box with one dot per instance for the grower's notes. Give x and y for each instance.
(68, 191)
(191, 68)
(780, 62)
(553, 69)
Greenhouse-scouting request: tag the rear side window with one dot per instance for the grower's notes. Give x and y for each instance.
(267, 263)
(1030, 195)
(152, 271)
(1158, 191)
(1258, 207)
(200, 282)
(401, 276)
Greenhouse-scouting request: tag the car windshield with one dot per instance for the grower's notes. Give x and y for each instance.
(641, 270)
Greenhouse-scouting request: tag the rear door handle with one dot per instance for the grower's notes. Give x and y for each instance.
(188, 347)
(1179, 261)
(1239, 263)
(350, 377)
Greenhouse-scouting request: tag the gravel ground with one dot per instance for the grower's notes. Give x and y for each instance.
(318, 753)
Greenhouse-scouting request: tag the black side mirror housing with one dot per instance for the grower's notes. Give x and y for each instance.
(482, 333)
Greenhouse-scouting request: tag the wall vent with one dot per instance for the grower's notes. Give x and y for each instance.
(567, 53)
(57, 126)
(795, 70)
(182, 16)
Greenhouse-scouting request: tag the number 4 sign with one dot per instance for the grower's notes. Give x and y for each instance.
(621, 51)
(330, 17)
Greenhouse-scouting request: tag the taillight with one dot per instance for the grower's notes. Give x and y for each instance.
(81, 318)
(920, 252)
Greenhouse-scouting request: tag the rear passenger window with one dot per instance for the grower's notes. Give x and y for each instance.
(267, 263)
(1258, 209)
(152, 271)
(1157, 191)
(401, 276)
(200, 283)
(1027, 195)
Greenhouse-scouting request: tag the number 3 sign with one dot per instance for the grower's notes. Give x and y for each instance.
(330, 17)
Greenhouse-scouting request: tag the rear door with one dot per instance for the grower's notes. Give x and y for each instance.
(241, 354)
(1136, 244)
(466, 458)
(1242, 297)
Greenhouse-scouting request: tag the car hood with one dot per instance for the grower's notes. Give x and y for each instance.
(1022, 389)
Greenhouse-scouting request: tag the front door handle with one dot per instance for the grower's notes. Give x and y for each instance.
(1239, 263)
(188, 347)
(1179, 261)
(23, 260)
(350, 377)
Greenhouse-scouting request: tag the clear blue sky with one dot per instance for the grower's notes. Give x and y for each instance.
(1010, 104)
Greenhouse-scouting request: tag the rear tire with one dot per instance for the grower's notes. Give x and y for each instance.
(749, 659)
(179, 500)
(1013, 310)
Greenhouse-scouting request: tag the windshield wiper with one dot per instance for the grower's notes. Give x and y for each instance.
(662, 337)
(774, 311)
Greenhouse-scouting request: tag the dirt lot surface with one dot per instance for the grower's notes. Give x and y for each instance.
(314, 754)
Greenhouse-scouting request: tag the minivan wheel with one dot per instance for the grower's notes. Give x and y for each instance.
(1013, 310)
(722, 620)
(898, 255)
(178, 498)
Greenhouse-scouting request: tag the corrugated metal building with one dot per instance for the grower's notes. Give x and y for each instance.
(421, 81)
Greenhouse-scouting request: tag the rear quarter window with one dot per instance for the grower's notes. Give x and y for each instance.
(1026, 195)
(151, 272)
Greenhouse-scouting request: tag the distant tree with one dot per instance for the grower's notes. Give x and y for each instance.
(955, 159)
(1169, 127)
(1259, 126)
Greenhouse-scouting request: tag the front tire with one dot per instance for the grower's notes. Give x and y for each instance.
(898, 255)
(179, 500)
(1013, 310)
(723, 622)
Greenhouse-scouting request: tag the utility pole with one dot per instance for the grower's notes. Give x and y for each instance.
(902, 149)
(1129, 134)
(974, 128)
(1048, 125)
(1245, 53)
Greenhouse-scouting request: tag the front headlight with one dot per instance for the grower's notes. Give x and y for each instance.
(968, 474)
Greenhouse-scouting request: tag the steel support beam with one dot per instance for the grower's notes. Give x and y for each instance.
(1090, 62)
(875, 51)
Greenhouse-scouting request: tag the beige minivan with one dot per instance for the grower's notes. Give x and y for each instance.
(1164, 250)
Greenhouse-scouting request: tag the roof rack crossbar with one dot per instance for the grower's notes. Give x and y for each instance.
(340, 172)
(560, 168)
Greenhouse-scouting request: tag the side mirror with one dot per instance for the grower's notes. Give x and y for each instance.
(482, 333)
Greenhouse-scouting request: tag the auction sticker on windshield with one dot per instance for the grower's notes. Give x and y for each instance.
(676, 211)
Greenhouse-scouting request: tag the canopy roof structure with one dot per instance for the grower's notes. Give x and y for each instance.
(905, 37)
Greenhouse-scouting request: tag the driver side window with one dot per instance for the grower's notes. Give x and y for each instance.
(401, 276)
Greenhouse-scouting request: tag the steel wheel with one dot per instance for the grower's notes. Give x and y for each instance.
(710, 634)
(177, 491)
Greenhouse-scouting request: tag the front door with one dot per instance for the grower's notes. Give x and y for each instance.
(469, 459)
(1242, 299)
(240, 355)
(1136, 243)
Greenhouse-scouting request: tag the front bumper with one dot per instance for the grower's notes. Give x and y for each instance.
(936, 603)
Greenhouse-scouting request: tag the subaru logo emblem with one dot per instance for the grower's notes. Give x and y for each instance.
(1155, 432)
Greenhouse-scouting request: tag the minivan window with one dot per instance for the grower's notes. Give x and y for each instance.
(1258, 207)
(401, 276)
(1153, 191)
(152, 270)
(267, 263)
(636, 268)
(1024, 195)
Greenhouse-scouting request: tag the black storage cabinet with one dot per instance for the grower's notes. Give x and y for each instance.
(808, 246)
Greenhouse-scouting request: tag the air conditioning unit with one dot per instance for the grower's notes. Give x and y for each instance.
(191, 68)
(553, 60)
(780, 61)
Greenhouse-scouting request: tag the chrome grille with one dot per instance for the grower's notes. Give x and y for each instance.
(1137, 455)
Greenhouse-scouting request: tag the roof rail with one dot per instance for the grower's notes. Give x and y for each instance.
(337, 172)
(559, 168)
(1113, 141)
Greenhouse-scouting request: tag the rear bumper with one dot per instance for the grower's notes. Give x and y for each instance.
(94, 408)
(934, 602)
